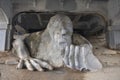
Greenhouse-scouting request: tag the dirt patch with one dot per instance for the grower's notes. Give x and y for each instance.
(10, 73)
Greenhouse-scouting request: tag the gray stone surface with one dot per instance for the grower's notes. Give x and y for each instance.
(50, 46)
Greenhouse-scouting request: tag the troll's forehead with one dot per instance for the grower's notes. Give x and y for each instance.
(59, 22)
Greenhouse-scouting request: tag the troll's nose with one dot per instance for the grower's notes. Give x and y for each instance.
(63, 31)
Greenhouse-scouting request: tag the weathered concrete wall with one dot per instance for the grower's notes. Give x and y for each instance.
(56, 5)
(6, 5)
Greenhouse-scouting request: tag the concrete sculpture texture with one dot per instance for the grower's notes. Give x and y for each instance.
(55, 47)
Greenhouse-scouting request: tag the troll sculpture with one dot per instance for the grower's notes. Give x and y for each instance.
(55, 47)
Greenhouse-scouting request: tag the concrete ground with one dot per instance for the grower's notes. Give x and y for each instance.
(109, 58)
